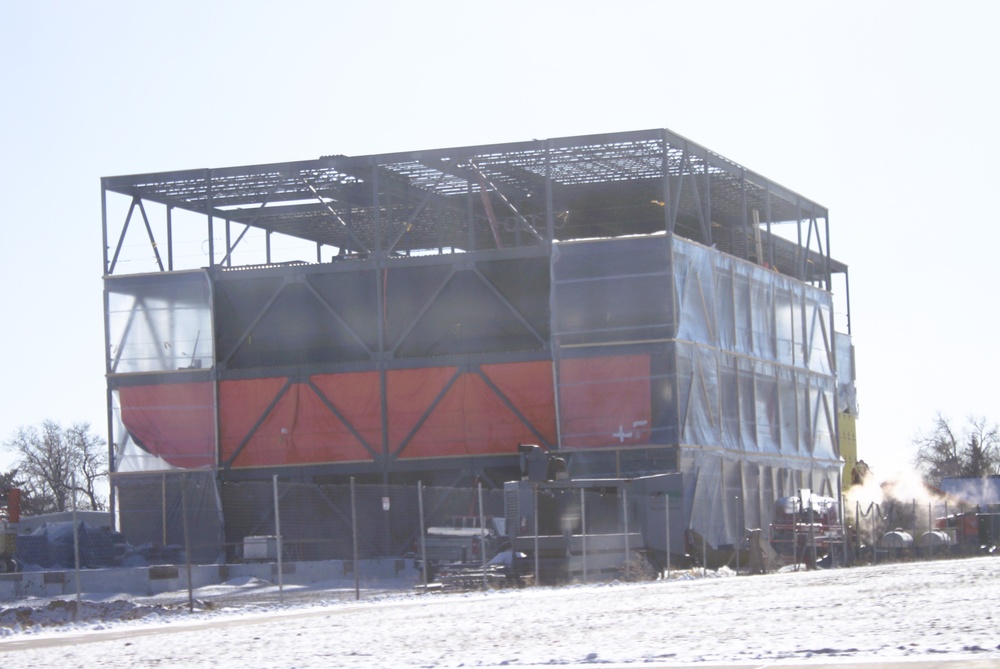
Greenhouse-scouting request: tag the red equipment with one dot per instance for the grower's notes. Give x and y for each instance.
(806, 530)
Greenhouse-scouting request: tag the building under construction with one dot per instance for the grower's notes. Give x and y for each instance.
(632, 301)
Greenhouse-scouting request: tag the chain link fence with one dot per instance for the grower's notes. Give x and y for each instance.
(188, 530)
(169, 516)
(341, 522)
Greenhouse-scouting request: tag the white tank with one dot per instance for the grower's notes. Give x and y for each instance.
(896, 539)
(934, 538)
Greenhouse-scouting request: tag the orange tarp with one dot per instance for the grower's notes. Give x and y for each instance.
(299, 429)
(471, 418)
(604, 401)
(173, 421)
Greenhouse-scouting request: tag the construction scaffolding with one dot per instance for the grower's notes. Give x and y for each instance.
(632, 300)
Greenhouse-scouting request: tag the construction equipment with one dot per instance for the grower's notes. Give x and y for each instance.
(562, 530)
(807, 529)
(461, 541)
(10, 516)
(974, 531)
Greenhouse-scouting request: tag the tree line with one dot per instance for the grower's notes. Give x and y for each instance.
(56, 467)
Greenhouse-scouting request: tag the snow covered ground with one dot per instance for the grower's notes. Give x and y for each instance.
(915, 611)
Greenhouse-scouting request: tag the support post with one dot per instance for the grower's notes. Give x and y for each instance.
(163, 507)
(278, 542)
(704, 556)
(625, 518)
(841, 511)
(930, 528)
(187, 541)
(354, 541)
(795, 532)
(666, 510)
(423, 531)
(812, 535)
(76, 552)
(871, 509)
(535, 505)
(739, 534)
(482, 531)
(583, 531)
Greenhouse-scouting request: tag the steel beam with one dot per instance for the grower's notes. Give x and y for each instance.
(343, 419)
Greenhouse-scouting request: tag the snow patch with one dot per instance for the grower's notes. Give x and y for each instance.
(888, 612)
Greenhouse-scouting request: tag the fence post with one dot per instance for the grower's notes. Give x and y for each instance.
(795, 531)
(187, 540)
(704, 556)
(76, 551)
(857, 530)
(842, 517)
(535, 492)
(871, 509)
(739, 535)
(386, 520)
(625, 515)
(354, 539)
(666, 509)
(583, 531)
(278, 542)
(482, 530)
(423, 532)
(812, 535)
(930, 528)
(163, 508)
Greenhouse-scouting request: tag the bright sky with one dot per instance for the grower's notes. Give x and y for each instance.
(883, 112)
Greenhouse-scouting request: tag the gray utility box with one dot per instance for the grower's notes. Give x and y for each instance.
(260, 548)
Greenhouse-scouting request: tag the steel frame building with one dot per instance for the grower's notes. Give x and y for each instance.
(632, 300)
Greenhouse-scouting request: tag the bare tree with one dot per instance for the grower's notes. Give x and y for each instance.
(91, 462)
(52, 459)
(982, 450)
(942, 454)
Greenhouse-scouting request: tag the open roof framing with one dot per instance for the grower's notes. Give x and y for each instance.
(496, 197)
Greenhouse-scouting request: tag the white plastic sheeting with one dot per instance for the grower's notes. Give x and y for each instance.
(755, 362)
(160, 325)
(748, 395)
(160, 322)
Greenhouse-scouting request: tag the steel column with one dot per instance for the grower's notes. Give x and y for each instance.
(708, 202)
(550, 230)
(108, 393)
(170, 238)
(211, 226)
